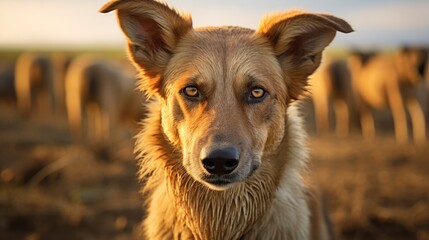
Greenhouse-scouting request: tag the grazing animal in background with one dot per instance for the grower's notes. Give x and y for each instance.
(34, 83)
(99, 93)
(39, 82)
(389, 82)
(223, 147)
(331, 84)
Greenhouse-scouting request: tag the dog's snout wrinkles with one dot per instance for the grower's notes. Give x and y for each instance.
(221, 161)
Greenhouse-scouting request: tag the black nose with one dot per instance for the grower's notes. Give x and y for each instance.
(221, 161)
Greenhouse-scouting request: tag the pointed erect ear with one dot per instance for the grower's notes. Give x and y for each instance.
(152, 30)
(298, 39)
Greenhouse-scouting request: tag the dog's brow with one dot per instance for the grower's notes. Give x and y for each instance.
(198, 81)
(193, 79)
(252, 80)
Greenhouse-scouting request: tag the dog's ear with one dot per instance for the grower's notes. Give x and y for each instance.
(298, 39)
(152, 30)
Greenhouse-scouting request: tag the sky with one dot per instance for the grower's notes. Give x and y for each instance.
(77, 23)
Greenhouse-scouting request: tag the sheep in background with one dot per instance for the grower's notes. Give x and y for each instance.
(34, 83)
(389, 81)
(331, 84)
(99, 93)
(39, 82)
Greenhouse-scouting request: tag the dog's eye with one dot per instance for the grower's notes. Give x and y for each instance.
(191, 92)
(256, 95)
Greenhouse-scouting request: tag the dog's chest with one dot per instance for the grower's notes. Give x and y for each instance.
(222, 215)
(280, 212)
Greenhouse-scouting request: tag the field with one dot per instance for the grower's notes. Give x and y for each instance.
(51, 188)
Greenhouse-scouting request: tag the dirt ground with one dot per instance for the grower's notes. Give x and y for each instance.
(51, 188)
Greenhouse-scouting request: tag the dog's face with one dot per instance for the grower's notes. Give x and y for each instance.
(223, 91)
(223, 99)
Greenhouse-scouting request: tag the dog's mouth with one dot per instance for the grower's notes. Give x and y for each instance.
(215, 180)
(221, 183)
(218, 183)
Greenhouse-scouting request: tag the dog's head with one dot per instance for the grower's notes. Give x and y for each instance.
(224, 91)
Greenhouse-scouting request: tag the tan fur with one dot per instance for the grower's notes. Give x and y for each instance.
(97, 93)
(390, 82)
(264, 197)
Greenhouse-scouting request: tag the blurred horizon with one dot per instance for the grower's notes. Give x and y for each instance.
(49, 24)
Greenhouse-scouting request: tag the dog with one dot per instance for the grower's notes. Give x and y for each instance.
(383, 81)
(222, 150)
(99, 94)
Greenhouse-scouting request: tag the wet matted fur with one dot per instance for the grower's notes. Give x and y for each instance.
(223, 147)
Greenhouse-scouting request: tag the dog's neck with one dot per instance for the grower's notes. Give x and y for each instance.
(210, 214)
(221, 214)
